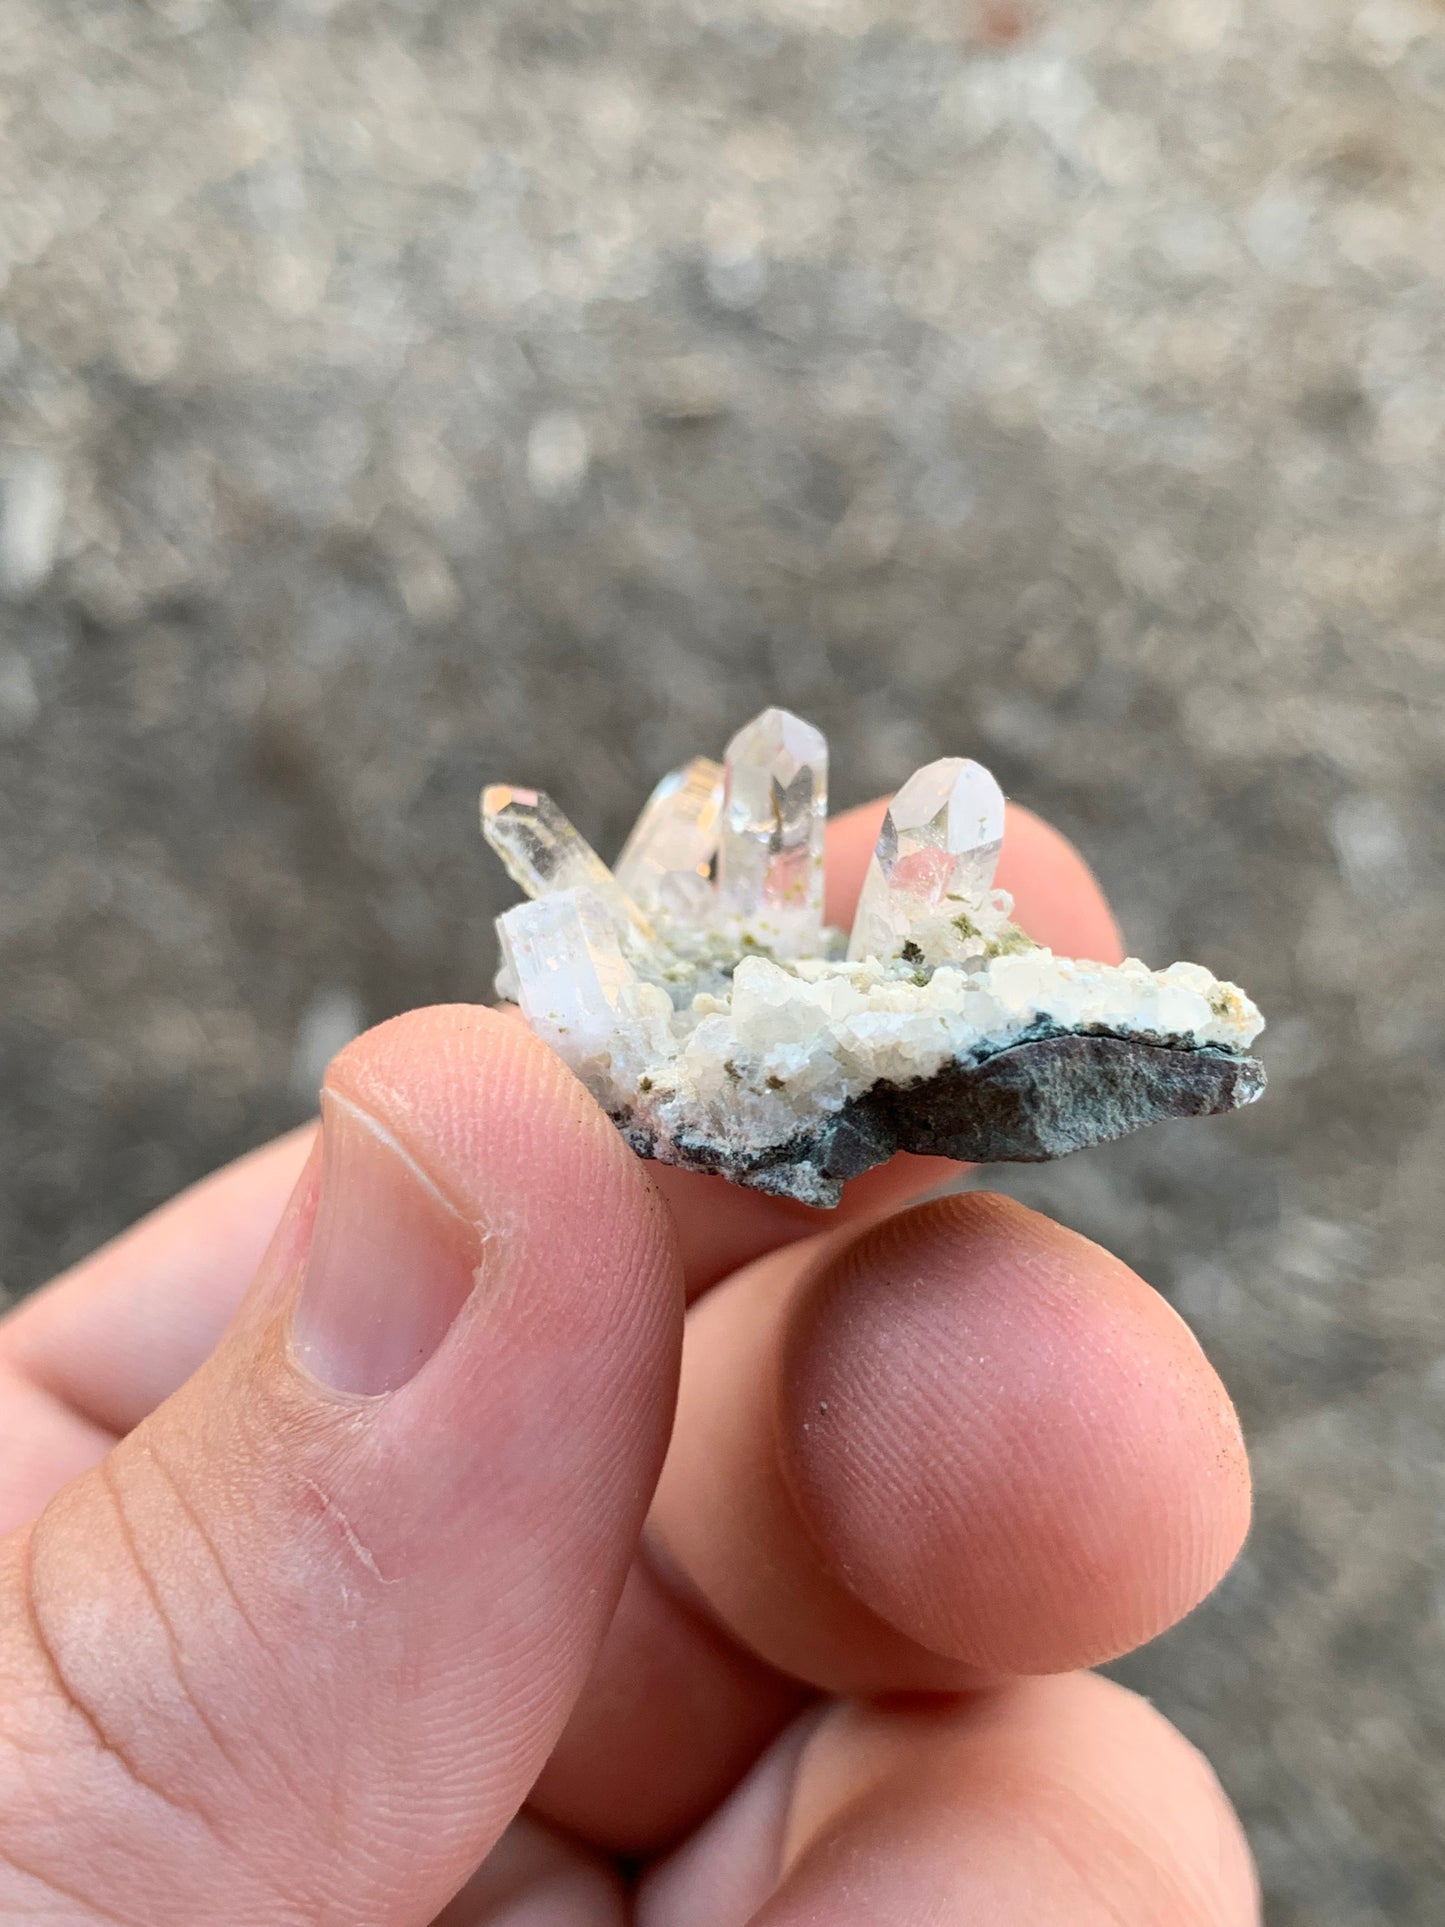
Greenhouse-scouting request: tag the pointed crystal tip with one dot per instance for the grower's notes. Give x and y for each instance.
(497, 797)
(955, 802)
(782, 742)
(544, 852)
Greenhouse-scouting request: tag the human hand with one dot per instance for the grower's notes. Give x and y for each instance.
(312, 1576)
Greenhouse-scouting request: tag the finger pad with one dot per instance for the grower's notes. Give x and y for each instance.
(1008, 1444)
(1067, 1800)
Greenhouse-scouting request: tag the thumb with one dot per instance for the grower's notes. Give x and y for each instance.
(295, 1651)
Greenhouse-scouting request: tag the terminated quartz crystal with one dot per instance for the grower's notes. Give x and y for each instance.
(770, 850)
(666, 864)
(570, 974)
(699, 998)
(544, 852)
(934, 864)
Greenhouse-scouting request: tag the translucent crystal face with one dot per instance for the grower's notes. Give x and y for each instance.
(934, 863)
(727, 859)
(544, 853)
(666, 864)
(774, 818)
(570, 974)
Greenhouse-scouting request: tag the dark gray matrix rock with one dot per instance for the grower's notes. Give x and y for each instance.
(1028, 1103)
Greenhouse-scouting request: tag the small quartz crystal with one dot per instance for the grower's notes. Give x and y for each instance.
(544, 852)
(698, 995)
(667, 862)
(774, 817)
(570, 974)
(933, 868)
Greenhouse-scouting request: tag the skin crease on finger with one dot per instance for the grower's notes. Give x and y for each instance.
(673, 1715)
(535, 1878)
(1065, 1802)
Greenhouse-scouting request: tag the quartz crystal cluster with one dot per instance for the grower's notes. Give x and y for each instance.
(696, 990)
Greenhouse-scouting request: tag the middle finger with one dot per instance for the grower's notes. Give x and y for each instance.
(965, 1438)
(960, 1444)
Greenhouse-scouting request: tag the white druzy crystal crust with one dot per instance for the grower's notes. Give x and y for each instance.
(792, 1040)
(709, 1011)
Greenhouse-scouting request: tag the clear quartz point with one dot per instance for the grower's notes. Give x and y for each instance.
(770, 851)
(544, 852)
(935, 858)
(666, 864)
(564, 959)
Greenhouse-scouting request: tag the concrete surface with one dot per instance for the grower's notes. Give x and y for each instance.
(407, 392)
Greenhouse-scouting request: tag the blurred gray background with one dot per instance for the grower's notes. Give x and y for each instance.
(403, 393)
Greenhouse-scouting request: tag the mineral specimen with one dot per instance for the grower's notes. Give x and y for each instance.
(698, 995)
